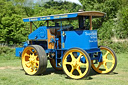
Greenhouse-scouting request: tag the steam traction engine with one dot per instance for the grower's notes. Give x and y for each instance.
(75, 51)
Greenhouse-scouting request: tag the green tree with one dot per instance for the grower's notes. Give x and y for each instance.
(122, 22)
(12, 27)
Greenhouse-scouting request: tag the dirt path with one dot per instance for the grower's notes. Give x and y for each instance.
(9, 67)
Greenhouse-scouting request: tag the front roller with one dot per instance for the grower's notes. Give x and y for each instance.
(109, 61)
(76, 63)
(34, 60)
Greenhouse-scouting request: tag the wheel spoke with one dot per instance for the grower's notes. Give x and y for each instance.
(82, 64)
(105, 66)
(69, 63)
(72, 56)
(32, 69)
(100, 63)
(72, 70)
(35, 57)
(78, 59)
(31, 50)
(105, 56)
(35, 66)
(26, 54)
(28, 64)
(37, 62)
(109, 61)
(79, 70)
(34, 51)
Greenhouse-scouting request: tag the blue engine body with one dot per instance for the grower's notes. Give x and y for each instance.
(38, 34)
(19, 51)
(37, 37)
(84, 39)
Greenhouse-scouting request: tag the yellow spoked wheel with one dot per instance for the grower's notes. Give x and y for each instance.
(109, 61)
(53, 63)
(34, 60)
(76, 63)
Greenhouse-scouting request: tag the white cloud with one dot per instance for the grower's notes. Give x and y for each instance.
(73, 1)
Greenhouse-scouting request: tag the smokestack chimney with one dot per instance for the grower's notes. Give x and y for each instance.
(80, 10)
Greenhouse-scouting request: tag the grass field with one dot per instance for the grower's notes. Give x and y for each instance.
(11, 73)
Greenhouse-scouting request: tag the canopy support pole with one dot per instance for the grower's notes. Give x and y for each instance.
(47, 23)
(30, 27)
(90, 18)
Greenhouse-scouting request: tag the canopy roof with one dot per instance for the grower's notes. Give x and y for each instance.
(66, 16)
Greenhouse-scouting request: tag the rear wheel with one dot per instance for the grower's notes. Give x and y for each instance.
(34, 60)
(76, 63)
(53, 63)
(109, 61)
